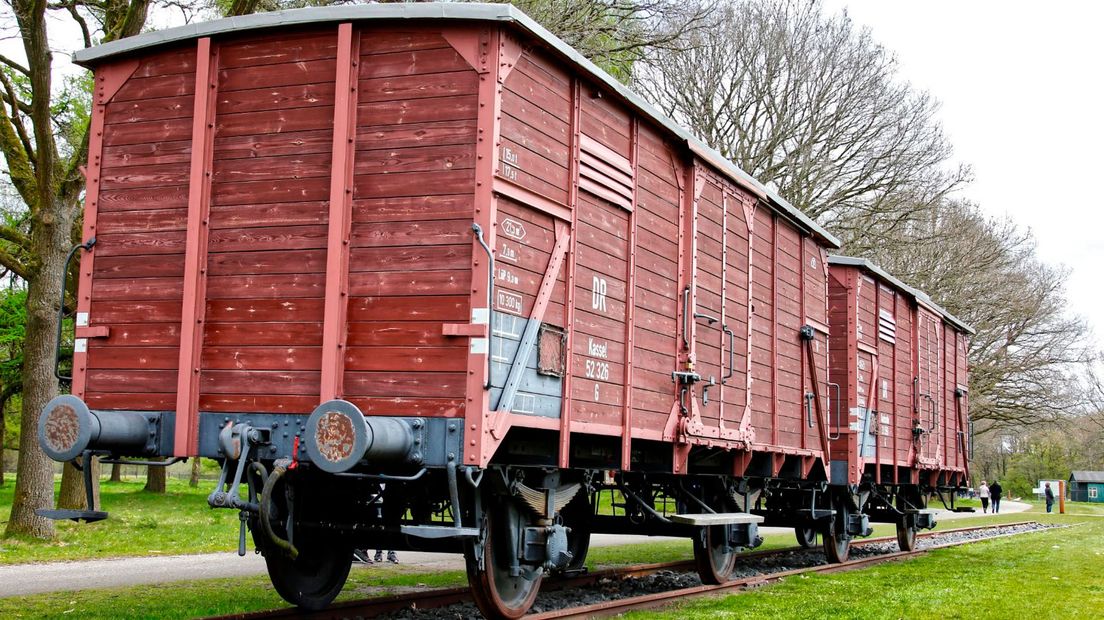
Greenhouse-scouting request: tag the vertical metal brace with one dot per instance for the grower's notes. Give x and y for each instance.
(343, 151)
(195, 253)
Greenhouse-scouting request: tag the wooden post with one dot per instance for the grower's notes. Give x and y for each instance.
(1061, 497)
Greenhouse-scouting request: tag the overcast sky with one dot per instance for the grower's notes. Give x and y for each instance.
(1021, 86)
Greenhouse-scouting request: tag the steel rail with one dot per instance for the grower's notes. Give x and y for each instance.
(659, 599)
(430, 599)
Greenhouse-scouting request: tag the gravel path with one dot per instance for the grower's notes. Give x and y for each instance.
(24, 579)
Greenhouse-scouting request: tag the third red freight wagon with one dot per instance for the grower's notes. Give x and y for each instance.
(899, 360)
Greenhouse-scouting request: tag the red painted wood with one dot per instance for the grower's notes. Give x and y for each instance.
(199, 200)
(109, 80)
(158, 86)
(630, 317)
(149, 110)
(258, 333)
(181, 59)
(417, 62)
(289, 47)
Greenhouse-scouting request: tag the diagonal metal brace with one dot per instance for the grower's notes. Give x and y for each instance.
(529, 337)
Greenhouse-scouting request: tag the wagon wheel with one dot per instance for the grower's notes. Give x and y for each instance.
(906, 525)
(837, 546)
(906, 534)
(315, 577)
(497, 593)
(806, 536)
(715, 556)
(837, 542)
(578, 516)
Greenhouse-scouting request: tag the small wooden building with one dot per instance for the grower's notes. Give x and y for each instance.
(1086, 486)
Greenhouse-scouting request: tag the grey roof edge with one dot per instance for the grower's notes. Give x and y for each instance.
(1088, 475)
(852, 261)
(470, 12)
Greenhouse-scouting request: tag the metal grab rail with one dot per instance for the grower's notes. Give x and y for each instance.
(87, 247)
(686, 317)
(731, 354)
(838, 433)
(478, 230)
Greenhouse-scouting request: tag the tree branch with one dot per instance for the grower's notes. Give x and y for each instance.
(14, 119)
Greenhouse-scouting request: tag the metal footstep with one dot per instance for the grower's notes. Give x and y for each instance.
(88, 516)
(717, 518)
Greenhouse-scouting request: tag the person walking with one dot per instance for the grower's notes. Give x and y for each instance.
(1049, 497)
(983, 493)
(995, 492)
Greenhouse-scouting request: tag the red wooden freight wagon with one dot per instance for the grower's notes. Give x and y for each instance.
(422, 276)
(902, 423)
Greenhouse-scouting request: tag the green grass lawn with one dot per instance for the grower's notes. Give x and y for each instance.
(141, 524)
(1054, 574)
(1011, 578)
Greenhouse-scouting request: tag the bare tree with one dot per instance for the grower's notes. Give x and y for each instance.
(1028, 353)
(43, 158)
(812, 106)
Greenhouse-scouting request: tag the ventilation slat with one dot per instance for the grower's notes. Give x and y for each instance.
(887, 327)
(605, 173)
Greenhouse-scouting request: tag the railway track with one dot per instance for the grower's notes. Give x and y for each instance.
(409, 604)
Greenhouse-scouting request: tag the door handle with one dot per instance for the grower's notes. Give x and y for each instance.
(731, 354)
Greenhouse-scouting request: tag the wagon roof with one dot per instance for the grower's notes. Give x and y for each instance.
(502, 13)
(851, 261)
(1087, 476)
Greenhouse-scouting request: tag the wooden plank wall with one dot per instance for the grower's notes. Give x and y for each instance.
(842, 356)
(764, 328)
(792, 427)
(534, 152)
(266, 258)
(904, 381)
(601, 264)
(710, 295)
(657, 296)
(737, 310)
(139, 267)
(410, 266)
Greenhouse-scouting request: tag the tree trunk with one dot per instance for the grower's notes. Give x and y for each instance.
(116, 472)
(34, 477)
(155, 479)
(197, 468)
(3, 438)
(72, 494)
